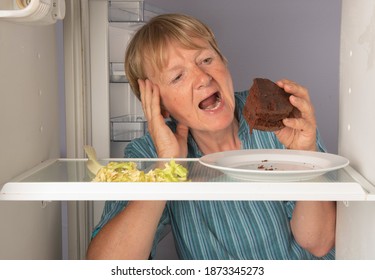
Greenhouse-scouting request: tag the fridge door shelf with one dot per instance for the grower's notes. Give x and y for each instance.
(131, 11)
(117, 73)
(128, 127)
(69, 179)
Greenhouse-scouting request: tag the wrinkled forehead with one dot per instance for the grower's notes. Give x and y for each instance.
(157, 56)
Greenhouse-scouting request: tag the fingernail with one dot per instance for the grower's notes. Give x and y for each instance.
(289, 86)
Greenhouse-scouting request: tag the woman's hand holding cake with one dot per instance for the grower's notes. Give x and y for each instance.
(299, 132)
(283, 107)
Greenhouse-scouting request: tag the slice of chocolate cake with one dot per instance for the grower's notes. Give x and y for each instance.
(266, 106)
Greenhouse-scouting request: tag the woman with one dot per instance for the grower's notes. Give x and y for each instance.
(176, 69)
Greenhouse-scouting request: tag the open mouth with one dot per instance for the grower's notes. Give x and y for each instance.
(211, 102)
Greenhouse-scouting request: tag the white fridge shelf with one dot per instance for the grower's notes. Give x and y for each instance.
(69, 179)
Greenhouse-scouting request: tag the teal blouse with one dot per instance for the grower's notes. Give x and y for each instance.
(223, 229)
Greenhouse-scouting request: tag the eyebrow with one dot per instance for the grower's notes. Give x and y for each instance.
(199, 52)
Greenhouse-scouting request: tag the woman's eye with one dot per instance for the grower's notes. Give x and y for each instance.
(207, 60)
(177, 78)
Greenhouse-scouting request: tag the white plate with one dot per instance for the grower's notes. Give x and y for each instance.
(274, 165)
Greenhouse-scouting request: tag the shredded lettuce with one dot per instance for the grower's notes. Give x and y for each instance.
(128, 172)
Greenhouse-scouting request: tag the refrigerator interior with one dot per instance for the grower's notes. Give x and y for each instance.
(31, 56)
(117, 114)
(356, 71)
(119, 118)
(126, 115)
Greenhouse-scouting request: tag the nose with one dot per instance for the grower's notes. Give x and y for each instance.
(202, 78)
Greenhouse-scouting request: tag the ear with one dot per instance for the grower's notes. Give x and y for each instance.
(164, 112)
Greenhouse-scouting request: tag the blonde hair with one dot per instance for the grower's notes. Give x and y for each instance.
(150, 41)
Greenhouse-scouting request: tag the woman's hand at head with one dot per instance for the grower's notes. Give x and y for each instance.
(167, 143)
(299, 133)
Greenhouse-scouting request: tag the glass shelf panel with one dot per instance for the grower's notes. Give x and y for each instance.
(68, 179)
(128, 127)
(131, 11)
(117, 73)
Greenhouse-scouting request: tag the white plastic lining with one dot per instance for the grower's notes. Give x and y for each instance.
(32, 11)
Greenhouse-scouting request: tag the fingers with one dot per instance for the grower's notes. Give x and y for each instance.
(305, 119)
(300, 130)
(142, 89)
(182, 132)
(301, 100)
(167, 143)
(299, 124)
(150, 98)
(305, 107)
(294, 88)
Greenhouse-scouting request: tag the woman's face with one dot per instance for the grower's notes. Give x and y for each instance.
(196, 87)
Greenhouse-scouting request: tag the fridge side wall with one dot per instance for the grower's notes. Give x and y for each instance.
(356, 220)
(29, 126)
